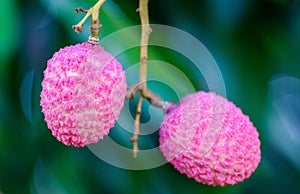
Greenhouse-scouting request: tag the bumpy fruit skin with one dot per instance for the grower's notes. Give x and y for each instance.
(83, 91)
(209, 139)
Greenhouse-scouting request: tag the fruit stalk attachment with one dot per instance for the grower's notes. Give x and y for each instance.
(95, 24)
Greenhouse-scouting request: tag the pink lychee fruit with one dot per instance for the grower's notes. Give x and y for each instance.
(83, 92)
(209, 139)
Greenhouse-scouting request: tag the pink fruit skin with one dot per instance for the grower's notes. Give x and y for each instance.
(209, 139)
(83, 91)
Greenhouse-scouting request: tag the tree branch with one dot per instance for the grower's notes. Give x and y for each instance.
(146, 30)
(143, 11)
(134, 138)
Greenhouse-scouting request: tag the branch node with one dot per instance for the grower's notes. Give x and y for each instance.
(133, 139)
(133, 90)
(144, 59)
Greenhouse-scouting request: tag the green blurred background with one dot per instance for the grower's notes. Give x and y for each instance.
(256, 44)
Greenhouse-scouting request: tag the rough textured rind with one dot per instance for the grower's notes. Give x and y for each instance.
(83, 91)
(209, 139)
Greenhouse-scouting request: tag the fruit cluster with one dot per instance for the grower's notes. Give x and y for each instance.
(205, 136)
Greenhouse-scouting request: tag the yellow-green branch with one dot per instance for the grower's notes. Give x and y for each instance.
(94, 13)
(146, 30)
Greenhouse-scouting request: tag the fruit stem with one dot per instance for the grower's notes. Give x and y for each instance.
(146, 30)
(95, 24)
(135, 136)
(141, 87)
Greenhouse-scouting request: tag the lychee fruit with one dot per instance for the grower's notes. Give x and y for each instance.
(83, 92)
(209, 139)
